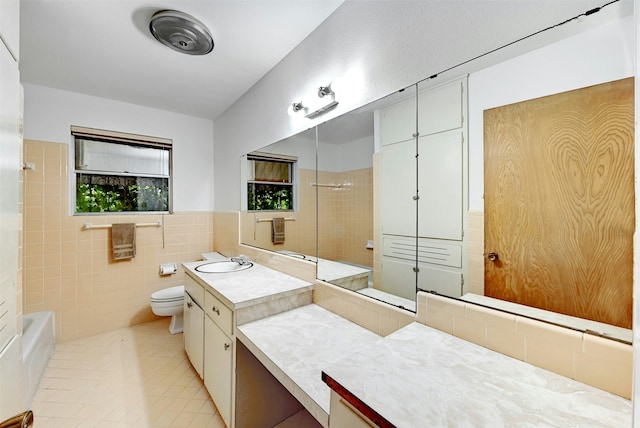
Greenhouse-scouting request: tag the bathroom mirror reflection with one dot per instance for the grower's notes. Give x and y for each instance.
(288, 197)
(346, 142)
(348, 238)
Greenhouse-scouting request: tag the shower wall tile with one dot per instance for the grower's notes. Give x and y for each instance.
(345, 216)
(69, 270)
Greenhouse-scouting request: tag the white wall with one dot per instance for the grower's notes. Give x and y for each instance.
(302, 146)
(601, 55)
(49, 113)
(351, 156)
(374, 48)
(11, 376)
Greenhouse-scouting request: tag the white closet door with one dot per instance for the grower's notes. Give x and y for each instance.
(440, 109)
(440, 186)
(398, 278)
(398, 122)
(447, 283)
(398, 183)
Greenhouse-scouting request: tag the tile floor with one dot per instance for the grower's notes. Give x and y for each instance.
(132, 377)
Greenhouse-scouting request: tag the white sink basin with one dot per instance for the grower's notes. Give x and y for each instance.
(226, 266)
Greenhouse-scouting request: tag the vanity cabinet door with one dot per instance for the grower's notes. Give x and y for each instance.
(218, 368)
(194, 333)
(343, 415)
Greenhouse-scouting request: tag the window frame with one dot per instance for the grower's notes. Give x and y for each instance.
(115, 137)
(292, 161)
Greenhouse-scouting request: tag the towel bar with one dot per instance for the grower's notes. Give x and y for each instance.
(260, 220)
(88, 226)
(332, 186)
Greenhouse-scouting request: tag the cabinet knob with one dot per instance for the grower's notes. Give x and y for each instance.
(216, 310)
(493, 257)
(226, 346)
(189, 305)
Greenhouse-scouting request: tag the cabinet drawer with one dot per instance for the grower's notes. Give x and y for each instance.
(195, 290)
(219, 313)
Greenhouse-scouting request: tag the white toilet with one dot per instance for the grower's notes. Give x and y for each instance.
(169, 302)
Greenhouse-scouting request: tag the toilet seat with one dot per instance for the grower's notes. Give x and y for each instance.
(170, 302)
(172, 294)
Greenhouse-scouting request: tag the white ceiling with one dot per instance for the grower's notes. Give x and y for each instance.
(103, 48)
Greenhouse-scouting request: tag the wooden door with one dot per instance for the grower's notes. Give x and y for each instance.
(559, 202)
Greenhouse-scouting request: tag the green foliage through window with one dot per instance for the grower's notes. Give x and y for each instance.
(268, 196)
(104, 193)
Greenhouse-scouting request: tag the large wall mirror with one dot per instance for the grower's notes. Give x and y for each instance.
(386, 171)
(264, 181)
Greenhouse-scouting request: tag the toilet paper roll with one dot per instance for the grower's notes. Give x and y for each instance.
(168, 268)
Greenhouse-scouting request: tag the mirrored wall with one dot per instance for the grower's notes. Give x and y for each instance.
(386, 193)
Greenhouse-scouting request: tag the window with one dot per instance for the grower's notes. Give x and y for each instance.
(270, 183)
(116, 172)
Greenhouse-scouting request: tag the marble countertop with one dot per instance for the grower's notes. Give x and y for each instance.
(329, 270)
(245, 288)
(420, 376)
(296, 345)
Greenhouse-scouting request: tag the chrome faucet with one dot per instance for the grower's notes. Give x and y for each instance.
(241, 260)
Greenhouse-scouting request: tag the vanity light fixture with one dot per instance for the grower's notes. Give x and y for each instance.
(296, 109)
(324, 91)
(327, 101)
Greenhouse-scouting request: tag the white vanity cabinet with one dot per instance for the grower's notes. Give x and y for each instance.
(227, 301)
(218, 354)
(193, 329)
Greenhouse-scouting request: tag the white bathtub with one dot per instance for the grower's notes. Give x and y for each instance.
(38, 341)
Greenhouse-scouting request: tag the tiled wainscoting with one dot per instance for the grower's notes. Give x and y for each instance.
(70, 270)
(603, 363)
(475, 237)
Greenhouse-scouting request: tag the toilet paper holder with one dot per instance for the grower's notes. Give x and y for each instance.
(168, 268)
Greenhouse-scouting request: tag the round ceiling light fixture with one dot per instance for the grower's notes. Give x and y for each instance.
(181, 32)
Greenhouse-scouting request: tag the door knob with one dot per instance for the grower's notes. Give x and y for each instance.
(492, 256)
